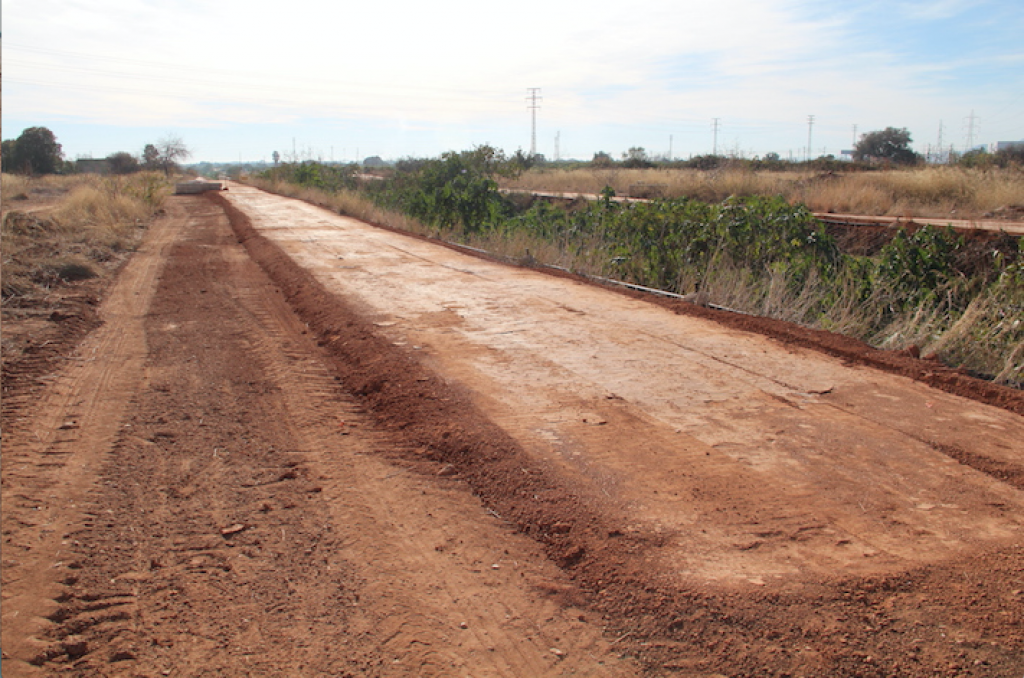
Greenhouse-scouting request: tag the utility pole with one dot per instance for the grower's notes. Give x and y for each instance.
(970, 130)
(533, 99)
(810, 128)
(714, 126)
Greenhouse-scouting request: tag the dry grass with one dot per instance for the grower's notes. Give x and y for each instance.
(925, 192)
(988, 337)
(711, 186)
(60, 229)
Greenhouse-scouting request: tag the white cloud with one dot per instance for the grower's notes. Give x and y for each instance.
(661, 66)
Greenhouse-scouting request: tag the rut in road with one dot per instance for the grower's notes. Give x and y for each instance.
(249, 519)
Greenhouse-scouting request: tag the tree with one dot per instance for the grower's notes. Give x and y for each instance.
(889, 144)
(7, 153)
(277, 157)
(636, 158)
(150, 157)
(123, 163)
(602, 159)
(36, 151)
(170, 150)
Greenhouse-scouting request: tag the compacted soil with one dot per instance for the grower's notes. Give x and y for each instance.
(295, 444)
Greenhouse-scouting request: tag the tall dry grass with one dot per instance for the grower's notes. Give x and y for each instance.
(59, 229)
(936, 192)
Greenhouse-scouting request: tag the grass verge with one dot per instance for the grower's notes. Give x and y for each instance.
(61, 229)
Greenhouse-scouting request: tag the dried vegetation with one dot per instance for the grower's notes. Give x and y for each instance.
(59, 229)
(954, 192)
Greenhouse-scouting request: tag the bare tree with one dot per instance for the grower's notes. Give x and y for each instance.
(170, 150)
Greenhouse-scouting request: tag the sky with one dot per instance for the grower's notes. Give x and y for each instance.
(339, 80)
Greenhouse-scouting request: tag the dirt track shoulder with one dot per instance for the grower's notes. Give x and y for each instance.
(242, 515)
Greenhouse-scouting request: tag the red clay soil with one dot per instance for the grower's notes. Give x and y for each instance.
(931, 372)
(738, 634)
(863, 239)
(210, 543)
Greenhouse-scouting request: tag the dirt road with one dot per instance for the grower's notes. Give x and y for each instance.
(335, 450)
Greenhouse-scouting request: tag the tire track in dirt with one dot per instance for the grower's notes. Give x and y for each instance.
(252, 520)
(55, 440)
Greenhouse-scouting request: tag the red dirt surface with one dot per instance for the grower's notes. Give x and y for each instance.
(242, 472)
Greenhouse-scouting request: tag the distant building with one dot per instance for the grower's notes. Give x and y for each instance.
(93, 166)
(1007, 146)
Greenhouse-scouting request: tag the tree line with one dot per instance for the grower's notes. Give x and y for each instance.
(890, 147)
(36, 151)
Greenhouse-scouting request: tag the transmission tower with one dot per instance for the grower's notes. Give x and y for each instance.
(970, 130)
(714, 127)
(534, 99)
(810, 128)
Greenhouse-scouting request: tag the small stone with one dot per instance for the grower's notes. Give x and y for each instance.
(75, 646)
(234, 529)
(558, 653)
(463, 625)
